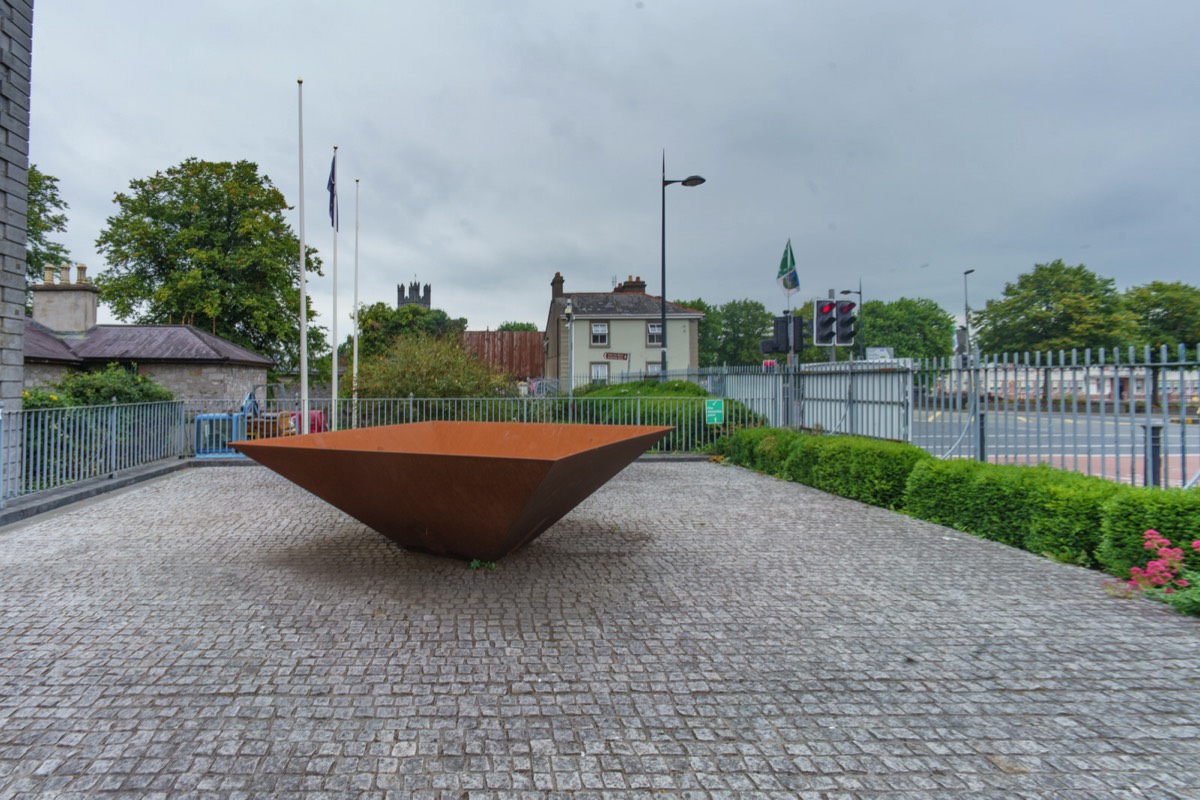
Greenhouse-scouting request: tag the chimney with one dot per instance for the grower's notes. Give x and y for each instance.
(631, 286)
(65, 307)
(556, 286)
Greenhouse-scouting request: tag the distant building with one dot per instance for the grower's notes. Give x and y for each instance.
(63, 336)
(616, 332)
(414, 297)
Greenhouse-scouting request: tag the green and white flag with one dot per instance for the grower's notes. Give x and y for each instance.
(789, 279)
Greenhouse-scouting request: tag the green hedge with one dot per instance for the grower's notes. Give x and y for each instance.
(871, 471)
(1062, 515)
(1175, 513)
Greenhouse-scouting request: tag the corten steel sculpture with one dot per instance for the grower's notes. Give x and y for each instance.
(464, 489)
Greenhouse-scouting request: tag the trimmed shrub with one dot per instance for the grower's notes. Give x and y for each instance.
(940, 491)
(1070, 517)
(1128, 514)
(868, 470)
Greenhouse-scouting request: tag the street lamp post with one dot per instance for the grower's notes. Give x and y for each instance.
(692, 180)
(861, 317)
(969, 365)
(966, 312)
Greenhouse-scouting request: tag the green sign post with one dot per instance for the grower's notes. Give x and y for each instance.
(714, 411)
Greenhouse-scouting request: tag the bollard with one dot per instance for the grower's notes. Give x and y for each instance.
(981, 437)
(1152, 447)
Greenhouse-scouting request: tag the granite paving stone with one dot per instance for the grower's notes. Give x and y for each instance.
(691, 630)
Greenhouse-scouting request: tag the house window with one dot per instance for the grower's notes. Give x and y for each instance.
(599, 334)
(600, 372)
(653, 367)
(654, 334)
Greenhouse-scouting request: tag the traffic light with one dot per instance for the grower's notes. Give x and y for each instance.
(824, 322)
(847, 323)
(799, 333)
(778, 343)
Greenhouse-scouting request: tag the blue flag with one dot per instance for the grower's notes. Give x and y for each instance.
(332, 186)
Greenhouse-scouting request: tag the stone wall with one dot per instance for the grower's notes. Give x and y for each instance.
(39, 375)
(16, 42)
(205, 381)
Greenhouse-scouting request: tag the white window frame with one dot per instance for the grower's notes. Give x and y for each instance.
(604, 335)
(654, 334)
(599, 371)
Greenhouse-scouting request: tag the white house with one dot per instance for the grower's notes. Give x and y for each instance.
(606, 334)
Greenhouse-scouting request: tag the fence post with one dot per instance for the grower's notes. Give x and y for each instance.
(3, 459)
(981, 441)
(1153, 453)
(112, 438)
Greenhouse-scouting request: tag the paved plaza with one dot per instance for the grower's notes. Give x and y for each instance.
(692, 630)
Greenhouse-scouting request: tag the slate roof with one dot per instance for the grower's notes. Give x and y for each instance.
(618, 304)
(141, 343)
(40, 344)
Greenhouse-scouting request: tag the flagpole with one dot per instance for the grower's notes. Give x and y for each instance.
(303, 289)
(334, 221)
(354, 362)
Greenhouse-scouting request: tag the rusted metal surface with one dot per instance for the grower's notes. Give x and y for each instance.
(462, 489)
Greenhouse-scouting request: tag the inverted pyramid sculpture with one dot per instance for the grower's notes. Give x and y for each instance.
(463, 489)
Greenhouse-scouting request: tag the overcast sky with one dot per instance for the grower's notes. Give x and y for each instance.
(896, 143)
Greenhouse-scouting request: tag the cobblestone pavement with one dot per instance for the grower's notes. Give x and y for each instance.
(692, 630)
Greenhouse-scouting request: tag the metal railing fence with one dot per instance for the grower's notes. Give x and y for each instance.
(1129, 416)
(44, 449)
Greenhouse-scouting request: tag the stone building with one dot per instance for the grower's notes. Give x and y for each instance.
(63, 335)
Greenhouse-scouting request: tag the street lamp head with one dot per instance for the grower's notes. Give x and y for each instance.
(968, 271)
(847, 291)
(693, 180)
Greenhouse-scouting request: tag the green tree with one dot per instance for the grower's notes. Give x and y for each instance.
(424, 366)
(1054, 307)
(380, 325)
(912, 327)
(1165, 313)
(206, 243)
(744, 324)
(710, 328)
(518, 326)
(43, 216)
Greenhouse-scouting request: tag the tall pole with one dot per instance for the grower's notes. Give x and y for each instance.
(691, 180)
(663, 240)
(969, 361)
(303, 263)
(354, 361)
(333, 399)
(966, 313)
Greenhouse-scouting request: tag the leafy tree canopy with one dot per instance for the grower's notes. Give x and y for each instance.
(1165, 313)
(730, 334)
(1054, 307)
(43, 216)
(744, 324)
(710, 327)
(912, 327)
(424, 366)
(380, 325)
(205, 243)
(98, 387)
(518, 326)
